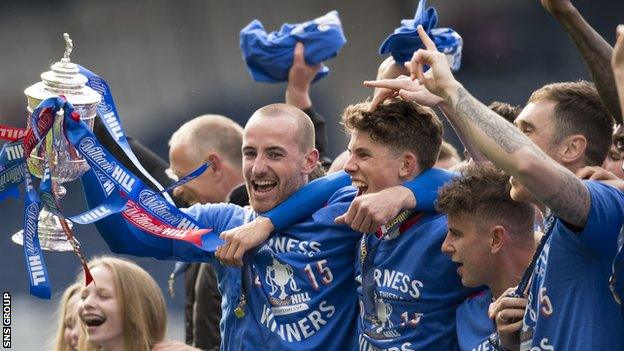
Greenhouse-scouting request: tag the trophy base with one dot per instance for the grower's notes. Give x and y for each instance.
(51, 234)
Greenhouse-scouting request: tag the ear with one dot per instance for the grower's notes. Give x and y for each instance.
(498, 237)
(409, 165)
(573, 149)
(216, 166)
(310, 160)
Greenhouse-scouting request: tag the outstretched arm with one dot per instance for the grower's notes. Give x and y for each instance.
(503, 144)
(596, 52)
(617, 63)
(124, 238)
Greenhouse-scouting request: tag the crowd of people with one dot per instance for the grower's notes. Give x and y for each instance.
(397, 244)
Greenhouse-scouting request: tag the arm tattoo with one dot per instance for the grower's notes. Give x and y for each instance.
(503, 133)
(571, 201)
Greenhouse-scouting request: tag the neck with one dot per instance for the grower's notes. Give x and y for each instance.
(233, 178)
(511, 267)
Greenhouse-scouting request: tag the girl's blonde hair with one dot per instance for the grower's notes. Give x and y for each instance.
(71, 291)
(141, 305)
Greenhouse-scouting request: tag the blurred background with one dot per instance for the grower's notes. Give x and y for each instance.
(168, 61)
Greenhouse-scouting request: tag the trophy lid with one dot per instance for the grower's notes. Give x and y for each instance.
(64, 79)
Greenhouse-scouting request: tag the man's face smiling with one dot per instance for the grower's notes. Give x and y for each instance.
(273, 163)
(371, 165)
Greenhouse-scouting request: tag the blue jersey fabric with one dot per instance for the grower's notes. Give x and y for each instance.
(269, 56)
(405, 40)
(416, 290)
(616, 283)
(298, 288)
(474, 327)
(570, 306)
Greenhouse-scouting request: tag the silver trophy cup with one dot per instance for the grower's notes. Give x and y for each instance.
(64, 161)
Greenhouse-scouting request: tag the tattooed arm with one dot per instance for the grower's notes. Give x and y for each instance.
(617, 62)
(503, 144)
(596, 52)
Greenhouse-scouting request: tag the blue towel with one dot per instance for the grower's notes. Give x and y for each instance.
(404, 41)
(270, 56)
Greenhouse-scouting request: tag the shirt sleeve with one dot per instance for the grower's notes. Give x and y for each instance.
(425, 187)
(307, 200)
(605, 218)
(124, 238)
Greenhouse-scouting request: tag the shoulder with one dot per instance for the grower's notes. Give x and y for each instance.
(342, 195)
(477, 301)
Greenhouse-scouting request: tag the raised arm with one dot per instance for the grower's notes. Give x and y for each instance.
(300, 77)
(617, 63)
(596, 52)
(503, 144)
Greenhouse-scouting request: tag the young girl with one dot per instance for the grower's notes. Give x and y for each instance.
(123, 309)
(69, 328)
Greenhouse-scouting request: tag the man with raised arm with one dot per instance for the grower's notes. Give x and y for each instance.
(564, 127)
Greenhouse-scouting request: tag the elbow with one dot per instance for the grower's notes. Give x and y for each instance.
(527, 165)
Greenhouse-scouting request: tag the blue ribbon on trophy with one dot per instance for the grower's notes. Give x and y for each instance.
(159, 217)
(35, 264)
(55, 161)
(167, 221)
(109, 116)
(11, 173)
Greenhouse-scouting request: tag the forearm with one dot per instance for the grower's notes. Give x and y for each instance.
(619, 82)
(474, 153)
(123, 238)
(307, 200)
(425, 188)
(596, 53)
(510, 150)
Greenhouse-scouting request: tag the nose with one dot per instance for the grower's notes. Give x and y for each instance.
(447, 248)
(350, 165)
(74, 334)
(259, 166)
(86, 304)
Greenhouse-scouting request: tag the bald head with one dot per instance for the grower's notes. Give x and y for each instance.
(207, 133)
(274, 113)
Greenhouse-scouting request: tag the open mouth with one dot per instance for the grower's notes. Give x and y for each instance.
(263, 186)
(92, 320)
(360, 185)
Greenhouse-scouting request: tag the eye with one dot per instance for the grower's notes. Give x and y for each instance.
(615, 156)
(274, 155)
(454, 234)
(249, 154)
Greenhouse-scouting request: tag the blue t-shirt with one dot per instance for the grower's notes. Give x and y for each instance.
(474, 326)
(617, 281)
(416, 289)
(570, 306)
(298, 288)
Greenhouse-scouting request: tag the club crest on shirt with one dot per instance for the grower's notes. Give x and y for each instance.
(286, 297)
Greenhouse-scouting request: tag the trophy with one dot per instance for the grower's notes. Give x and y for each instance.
(64, 161)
